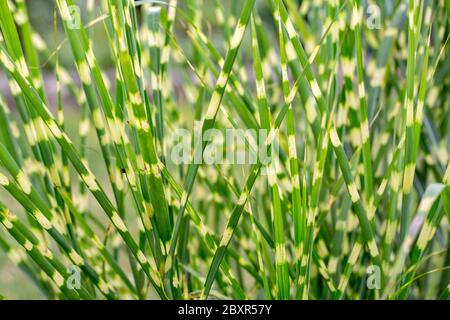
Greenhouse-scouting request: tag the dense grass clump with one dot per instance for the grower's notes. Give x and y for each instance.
(348, 101)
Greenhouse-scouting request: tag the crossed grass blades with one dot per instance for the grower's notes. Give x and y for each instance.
(358, 206)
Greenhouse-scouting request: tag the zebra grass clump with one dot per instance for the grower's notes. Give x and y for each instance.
(352, 200)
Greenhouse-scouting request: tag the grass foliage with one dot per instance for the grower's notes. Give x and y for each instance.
(355, 93)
